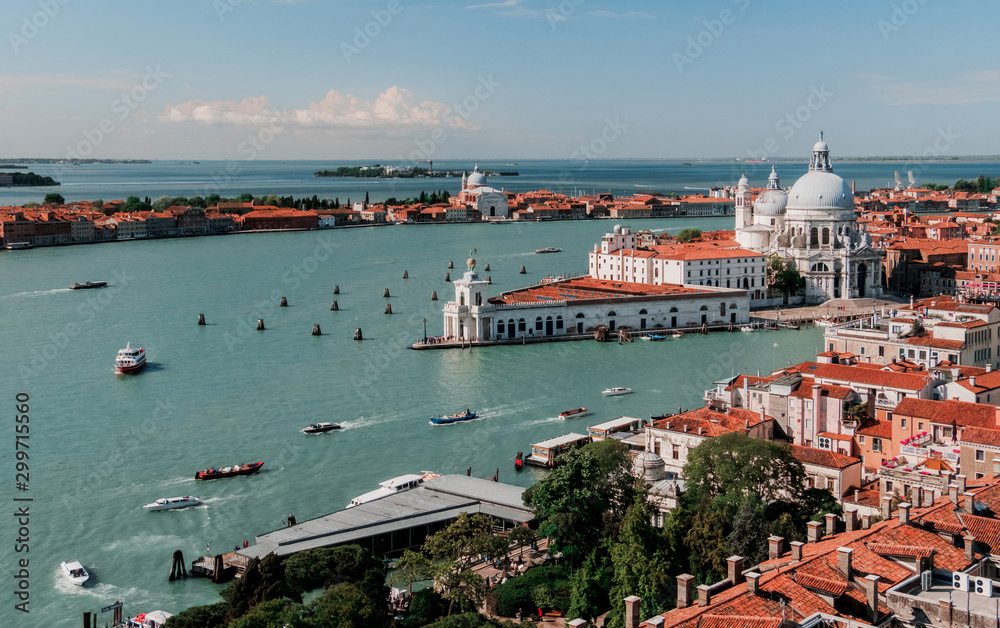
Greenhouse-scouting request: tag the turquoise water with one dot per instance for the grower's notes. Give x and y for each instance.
(103, 445)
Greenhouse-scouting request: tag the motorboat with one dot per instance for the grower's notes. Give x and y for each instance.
(654, 337)
(319, 428)
(75, 572)
(548, 250)
(677, 334)
(747, 328)
(130, 360)
(213, 473)
(468, 415)
(617, 390)
(575, 412)
(788, 325)
(170, 503)
(393, 486)
(519, 461)
(87, 285)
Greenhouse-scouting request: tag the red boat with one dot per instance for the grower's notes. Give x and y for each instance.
(228, 472)
(519, 461)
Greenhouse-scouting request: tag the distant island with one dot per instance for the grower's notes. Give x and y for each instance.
(9, 179)
(56, 160)
(12, 167)
(377, 171)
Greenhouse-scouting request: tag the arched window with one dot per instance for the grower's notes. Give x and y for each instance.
(703, 308)
(559, 322)
(521, 326)
(826, 236)
(813, 237)
(612, 313)
(642, 311)
(673, 309)
(732, 306)
(538, 323)
(580, 315)
(722, 309)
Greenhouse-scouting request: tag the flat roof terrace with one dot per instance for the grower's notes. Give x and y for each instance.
(399, 521)
(589, 288)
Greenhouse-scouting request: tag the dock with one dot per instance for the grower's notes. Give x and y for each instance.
(544, 454)
(389, 525)
(624, 425)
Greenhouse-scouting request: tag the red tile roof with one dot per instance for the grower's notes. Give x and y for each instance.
(823, 457)
(589, 288)
(868, 377)
(981, 436)
(962, 413)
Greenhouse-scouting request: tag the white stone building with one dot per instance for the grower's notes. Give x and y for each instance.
(490, 202)
(814, 226)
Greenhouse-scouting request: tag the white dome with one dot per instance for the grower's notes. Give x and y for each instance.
(821, 146)
(476, 179)
(771, 202)
(819, 190)
(649, 466)
(744, 182)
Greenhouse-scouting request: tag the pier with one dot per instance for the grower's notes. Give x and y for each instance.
(397, 522)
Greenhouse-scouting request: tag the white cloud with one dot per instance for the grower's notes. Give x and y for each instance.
(395, 107)
(972, 86)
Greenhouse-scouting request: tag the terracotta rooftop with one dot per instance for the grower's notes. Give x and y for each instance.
(945, 412)
(868, 377)
(823, 457)
(590, 288)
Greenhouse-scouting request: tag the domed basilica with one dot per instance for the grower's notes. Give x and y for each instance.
(813, 225)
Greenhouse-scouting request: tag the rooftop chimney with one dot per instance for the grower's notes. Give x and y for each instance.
(972, 381)
(970, 502)
(699, 431)
(970, 547)
(685, 590)
(704, 595)
(851, 518)
(961, 479)
(844, 562)
(989, 367)
(904, 512)
(953, 493)
(632, 619)
(685, 428)
(886, 507)
(815, 532)
(944, 611)
(734, 567)
(797, 550)
(753, 584)
(872, 595)
(831, 524)
(866, 521)
(775, 547)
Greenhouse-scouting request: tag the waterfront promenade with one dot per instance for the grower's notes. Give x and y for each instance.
(836, 309)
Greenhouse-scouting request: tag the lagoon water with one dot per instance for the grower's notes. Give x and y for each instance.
(88, 182)
(102, 445)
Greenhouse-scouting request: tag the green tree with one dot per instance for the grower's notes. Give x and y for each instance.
(54, 198)
(98, 204)
(457, 548)
(135, 204)
(639, 565)
(413, 567)
(688, 235)
(583, 499)
(588, 589)
(209, 616)
(750, 531)
(272, 614)
(542, 596)
(521, 536)
(783, 276)
(162, 203)
(262, 580)
(345, 605)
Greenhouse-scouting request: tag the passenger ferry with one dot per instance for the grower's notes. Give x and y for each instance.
(130, 360)
(393, 486)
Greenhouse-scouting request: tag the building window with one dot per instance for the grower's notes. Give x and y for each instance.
(888, 486)
(902, 423)
(676, 453)
(979, 475)
(877, 444)
(831, 484)
(861, 439)
(980, 455)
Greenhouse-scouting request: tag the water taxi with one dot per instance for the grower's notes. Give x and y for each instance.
(319, 428)
(548, 250)
(213, 473)
(75, 572)
(575, 412)
(454, 418)
(169, 503)
(393, 486)
(617, 390)
(87, 285)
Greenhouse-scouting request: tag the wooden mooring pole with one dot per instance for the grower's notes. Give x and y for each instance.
(177, 568)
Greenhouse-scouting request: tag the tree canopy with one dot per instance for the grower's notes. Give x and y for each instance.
(54, 198)
(688, 235)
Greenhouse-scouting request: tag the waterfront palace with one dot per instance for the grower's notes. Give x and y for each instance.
(579, 305)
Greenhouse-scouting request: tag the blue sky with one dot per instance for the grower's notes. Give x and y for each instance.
(399, 80)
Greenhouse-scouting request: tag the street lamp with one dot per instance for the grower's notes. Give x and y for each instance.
(425, 331)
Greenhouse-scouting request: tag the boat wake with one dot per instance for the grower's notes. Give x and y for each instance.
(36, 293)
(548, 419)
(101, 590)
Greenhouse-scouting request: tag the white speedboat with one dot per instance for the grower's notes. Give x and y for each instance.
(169, 503)
(747, 328)
(319, 428)
(75, 572)
(130, 360)
(617, 390)
(391, 487)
